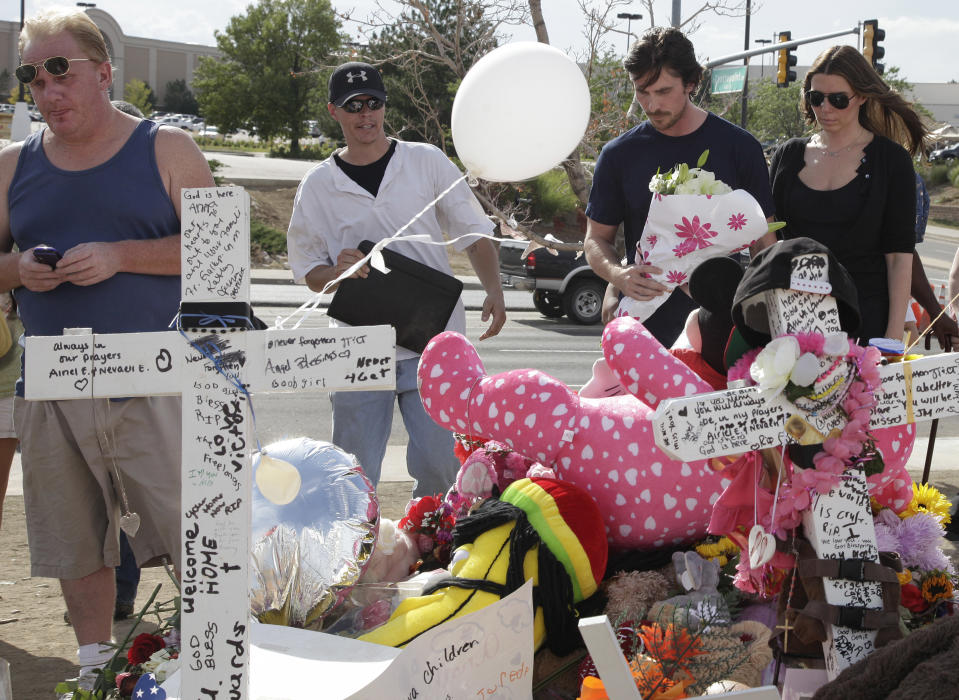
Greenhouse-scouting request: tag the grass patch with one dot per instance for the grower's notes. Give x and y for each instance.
(218, 143)
(270, 239)
(319, 152)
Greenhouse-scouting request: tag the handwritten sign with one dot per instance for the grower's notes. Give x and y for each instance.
(214, 374)
(840, 526)
(736, 420)
(350, 358)
(799, 312)
(118, 364)
(215, 252)
(215, 529)
(932, 383)
(486, 654)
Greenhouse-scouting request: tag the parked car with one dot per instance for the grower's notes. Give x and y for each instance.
(561, 283)
(947, 153)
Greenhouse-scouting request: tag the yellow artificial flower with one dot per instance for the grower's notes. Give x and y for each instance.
(709, 550)
(936, 586)
(720, 550)
(928, 499)
(905, 576)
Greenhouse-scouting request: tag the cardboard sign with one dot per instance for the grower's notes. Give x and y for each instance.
(486, 654)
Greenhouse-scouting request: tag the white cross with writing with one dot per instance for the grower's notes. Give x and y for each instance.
(216, 443)
(839, 524)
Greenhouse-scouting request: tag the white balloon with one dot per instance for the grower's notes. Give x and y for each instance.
(520, 110)
(278, 480)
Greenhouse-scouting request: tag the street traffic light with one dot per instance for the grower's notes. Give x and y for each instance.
(871, 36)
(785, 60)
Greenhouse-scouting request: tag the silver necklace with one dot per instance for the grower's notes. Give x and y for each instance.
(836, 154)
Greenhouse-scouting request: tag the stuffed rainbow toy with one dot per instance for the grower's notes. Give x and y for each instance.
(540, 529)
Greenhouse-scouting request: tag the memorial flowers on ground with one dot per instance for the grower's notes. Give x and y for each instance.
(917, 535)
(137, 655)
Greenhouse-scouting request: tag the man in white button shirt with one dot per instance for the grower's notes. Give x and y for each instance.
(369, 191)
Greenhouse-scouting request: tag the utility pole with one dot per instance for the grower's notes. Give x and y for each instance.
(629, 17)
(22, 2)
(742, 121)
(762, 64)
(677, 13)
(20, 125)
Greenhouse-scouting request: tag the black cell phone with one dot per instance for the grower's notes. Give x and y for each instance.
(47, 254)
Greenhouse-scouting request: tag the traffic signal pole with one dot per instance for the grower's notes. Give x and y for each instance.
(777, 47)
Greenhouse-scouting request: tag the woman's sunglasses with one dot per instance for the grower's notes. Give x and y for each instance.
(839, 100)
(355, 106)
(55, 65)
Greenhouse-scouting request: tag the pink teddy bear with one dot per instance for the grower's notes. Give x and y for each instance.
(604, 445)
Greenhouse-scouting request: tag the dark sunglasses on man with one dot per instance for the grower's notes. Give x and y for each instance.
(355, 106)
(55, 65)
(839, 100)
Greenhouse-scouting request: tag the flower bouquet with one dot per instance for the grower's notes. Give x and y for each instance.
(692, 217)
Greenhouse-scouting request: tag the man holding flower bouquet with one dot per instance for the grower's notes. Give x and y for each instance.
(664, 71)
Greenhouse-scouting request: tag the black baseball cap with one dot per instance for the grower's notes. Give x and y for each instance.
(352, 79)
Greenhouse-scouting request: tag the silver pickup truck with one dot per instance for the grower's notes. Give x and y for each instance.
(561, 281)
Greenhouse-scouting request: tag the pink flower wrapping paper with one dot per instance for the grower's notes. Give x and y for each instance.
(683, 230)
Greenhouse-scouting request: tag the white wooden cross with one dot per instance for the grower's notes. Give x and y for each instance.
(839, 524)
(217, 442)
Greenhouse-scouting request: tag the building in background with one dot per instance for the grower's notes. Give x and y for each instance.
(153, 61)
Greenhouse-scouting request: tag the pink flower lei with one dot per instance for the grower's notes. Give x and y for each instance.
(851, 448)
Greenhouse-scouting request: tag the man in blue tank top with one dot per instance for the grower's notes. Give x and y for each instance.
(103, 189)
(664, 71)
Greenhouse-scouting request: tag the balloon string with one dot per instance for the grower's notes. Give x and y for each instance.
(944, 310)
(310, 306)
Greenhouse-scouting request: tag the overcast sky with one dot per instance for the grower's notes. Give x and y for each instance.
(921, 34)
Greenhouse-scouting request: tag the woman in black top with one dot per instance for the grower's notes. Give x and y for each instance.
(851, 185)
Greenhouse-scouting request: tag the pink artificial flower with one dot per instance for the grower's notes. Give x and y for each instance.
(695, 235)
(737, 221)
(676, 277)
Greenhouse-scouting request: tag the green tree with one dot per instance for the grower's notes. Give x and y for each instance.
(270, 77)
(773, 112)
(424, 54)
(178, 98)
(15, 94)
(138, 93)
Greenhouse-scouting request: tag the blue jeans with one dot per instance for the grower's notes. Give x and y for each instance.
(361, 426)
(128, 573)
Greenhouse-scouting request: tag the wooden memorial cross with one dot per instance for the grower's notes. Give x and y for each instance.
(839, 524)
(217, 444)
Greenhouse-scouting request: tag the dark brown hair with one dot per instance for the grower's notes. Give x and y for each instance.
(663, 47)
(884, 112)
